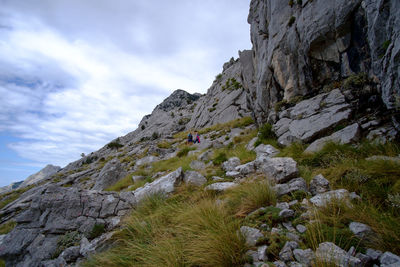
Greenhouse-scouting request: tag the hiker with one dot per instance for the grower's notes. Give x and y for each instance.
(197, 138)
(190, 138)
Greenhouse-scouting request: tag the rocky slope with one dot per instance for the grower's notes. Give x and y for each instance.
(318, 72)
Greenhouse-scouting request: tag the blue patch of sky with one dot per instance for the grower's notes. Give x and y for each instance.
(13, 168)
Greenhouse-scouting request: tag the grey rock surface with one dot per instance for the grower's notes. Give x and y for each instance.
(345, 136)
(324, 198)
(280, 170)
(329, 252)
(297, 184)
(197, 165)
(246, 169)
(313, 117)
(305, 256)
(163, 185)
(266, 150)
(251, 235)
(286, 254)
(231, 164)
(389, 259)
(219, 187)
(319, 185)
(360, 230)
(194, 178)
(109, 175)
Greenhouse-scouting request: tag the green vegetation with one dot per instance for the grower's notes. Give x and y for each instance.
(376, 181)
(65, 241)
(12, 196)
(231, 84)
(266, 135)
(184, 151)
(218, 77)
(114, 144)
(183, 121)
(5, 228)
(291, 21)
(164, 145)
(97, 230)
(385, 45)
(355, 81)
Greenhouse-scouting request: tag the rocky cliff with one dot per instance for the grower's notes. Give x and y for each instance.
(301, 46)
(319, 71)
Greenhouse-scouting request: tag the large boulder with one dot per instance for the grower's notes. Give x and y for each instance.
(163, 185)
(194, 178)
(313, 117)
(279, 170)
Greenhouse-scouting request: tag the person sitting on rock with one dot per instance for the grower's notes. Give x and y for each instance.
(197, 139)
(190, 138)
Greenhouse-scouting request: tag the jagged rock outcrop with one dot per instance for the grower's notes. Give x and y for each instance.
(224, 101)
(301, 47)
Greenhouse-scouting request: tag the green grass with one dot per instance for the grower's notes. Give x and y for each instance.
(345, 166)
(266, 136)
(188, 229)
(7, 227)
(12, 196)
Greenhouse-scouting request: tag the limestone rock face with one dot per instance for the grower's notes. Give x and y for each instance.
(225, 99)
(109, 175)
(299, 48)
(312, 117)
(53, 211)
(329, 252)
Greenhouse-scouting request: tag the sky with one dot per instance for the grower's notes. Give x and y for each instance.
(76, 74)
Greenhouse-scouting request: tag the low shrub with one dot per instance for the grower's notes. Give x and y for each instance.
(220, 158)
(7, 227)
(114, 144)
(97, 230)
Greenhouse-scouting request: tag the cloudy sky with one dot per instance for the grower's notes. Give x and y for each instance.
(76, 74)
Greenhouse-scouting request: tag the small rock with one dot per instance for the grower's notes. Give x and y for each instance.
(286, 213)
(389, 259)
(373, 254)
(205, 156)
(293, 237)
(251, 235)
(301, 228)
(360, 230)
(288, 226)
(282, 205)
(257, 211)
(233, 174)
(216, 178)
(194, 178)
(280, 264)
(231, 164)
(321, 200)
(295, 264)
(286, 254)
(365, 260)
(354, 196)
(329, 252)
(250, 145)
(246, 169)
(262, 253)
(253, 255)
(275, 230)
(71, 254)
(319, 185)
(293, 202)
(266, 150)
(297, 184)
(306, 256)
(219, 187)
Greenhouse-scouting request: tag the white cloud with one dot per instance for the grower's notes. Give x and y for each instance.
(70, 82)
